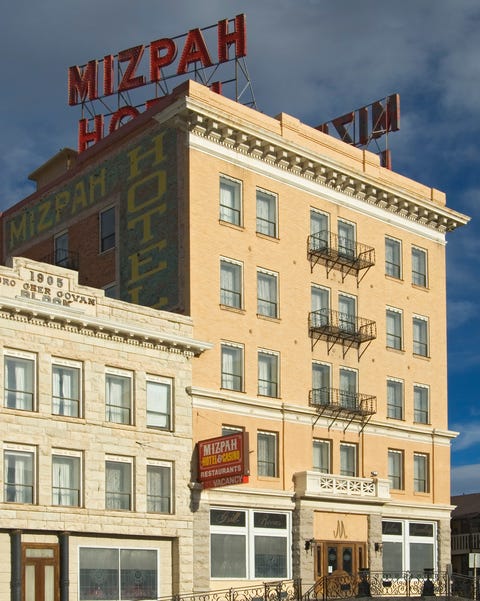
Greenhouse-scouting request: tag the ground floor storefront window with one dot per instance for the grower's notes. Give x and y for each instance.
(409, 546)
(249, 544)
(114, 574)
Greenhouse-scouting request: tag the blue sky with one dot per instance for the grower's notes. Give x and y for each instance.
(316, 60)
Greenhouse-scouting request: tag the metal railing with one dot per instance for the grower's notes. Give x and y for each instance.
(465, 543)
(334, 324)
(342, 400)
(340, 249)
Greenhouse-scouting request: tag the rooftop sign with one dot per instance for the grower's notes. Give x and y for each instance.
(153, 64)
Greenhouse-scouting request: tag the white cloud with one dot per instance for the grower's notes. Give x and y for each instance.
(465, 479)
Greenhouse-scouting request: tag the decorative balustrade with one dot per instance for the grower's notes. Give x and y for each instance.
(316, 484)
(465, 543)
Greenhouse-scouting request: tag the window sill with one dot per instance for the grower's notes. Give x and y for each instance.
(267, 237)
(419, 287)
(231, 225)
(232, 309)
(395, 350)
(400, 280)
(268, 318)
(424, 357)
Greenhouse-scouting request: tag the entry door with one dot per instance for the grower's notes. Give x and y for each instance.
(332, 558)
(40, 572)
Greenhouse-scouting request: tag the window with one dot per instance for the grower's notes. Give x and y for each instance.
(66, 480)
(118, 397)
(19, 472)
(319, 234)
(111, 573)
(346, 239)
(249, 544)
(348, 388)
(321, 384)
(393, 258)
(421, 404)
(420, 471)
(395, 469)
(395, 399)
(394, 329)
(320, 298)
(19, 380)
(420, 336)
(118, 484)
(230, 200)
(60, 249)
(348, 459)
(347, 321)
(419, 267)
(159, 487)
(227, 430)
(232, 367)
(321, 456)
(230, 283)
(159, 403)
(267, 374)
(266, 213)
(408, 546)
(267, 293)
(111, 290)
(267, 443)
(66, 388)
(107, 229)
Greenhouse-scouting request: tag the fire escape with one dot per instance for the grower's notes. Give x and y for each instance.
(334, 404)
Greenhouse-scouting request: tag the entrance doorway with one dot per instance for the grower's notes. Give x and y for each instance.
(40, 572)
(334, 558)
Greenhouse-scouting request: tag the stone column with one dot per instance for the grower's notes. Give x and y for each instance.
(302, 533)
(444, 545)
(375, 557)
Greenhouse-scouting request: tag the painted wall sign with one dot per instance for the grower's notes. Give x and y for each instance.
(223, 461)
(147, 65)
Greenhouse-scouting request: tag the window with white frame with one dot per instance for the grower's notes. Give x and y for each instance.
(420, 472)
(346, 239)
(395, 469)
(230, 200)
(60, 249)
(394, 328)
(107, 229)
(421, 404)
(118, 483)
(321, 455)
(266, 213)
(395, 399)
(347, 313)
(247, 543)
(348, 388)
(420, 336)
(19, 382)
(232, 367)
(19, 474)
(320, 302)
(348, 459)
(267, 373)
(393, 258)
(159, 487)
(408, 546)
(227, 430)
(118, 396)
(321, 387)
(159, 402)
(231, 283)
(66, 387)
(419, 267)
(319, 233)
(66, 478)
(267, 454)
(267, 293)
(114, 573)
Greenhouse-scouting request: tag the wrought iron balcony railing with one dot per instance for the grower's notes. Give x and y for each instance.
(334, 326)
(63, 258)
(343, 401)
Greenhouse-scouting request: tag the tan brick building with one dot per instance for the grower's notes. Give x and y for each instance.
(96, 441)
(319, 276)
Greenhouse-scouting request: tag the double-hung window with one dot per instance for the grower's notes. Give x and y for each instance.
(267, 454)
(232, 366)
(266, 213)
(321, 455)
(66, 387)
(419, 267)
(348, 388)
(60, 249)
(19, 475)
(107, 229)
(159, 403)
(319, 234)
(230, 200)
(267, 373)
(395, 469)
(118, 396)
(393, 258)
(230, 283)
(421, 404)
(420, 336)
(347, 313)
(267, 293)
(420, 472)
(321, 388)
(320, 302)
(118, 483)
(394, 328)
(159, 487)
(348, 459)
(346, 239)
(19, 382)
(66, 479)
(395, 399)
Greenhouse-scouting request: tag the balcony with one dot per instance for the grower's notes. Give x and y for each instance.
(340, 328)
(341, 404)
(63, 258)
(342, 254)
(318, 485)
(465, 543)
